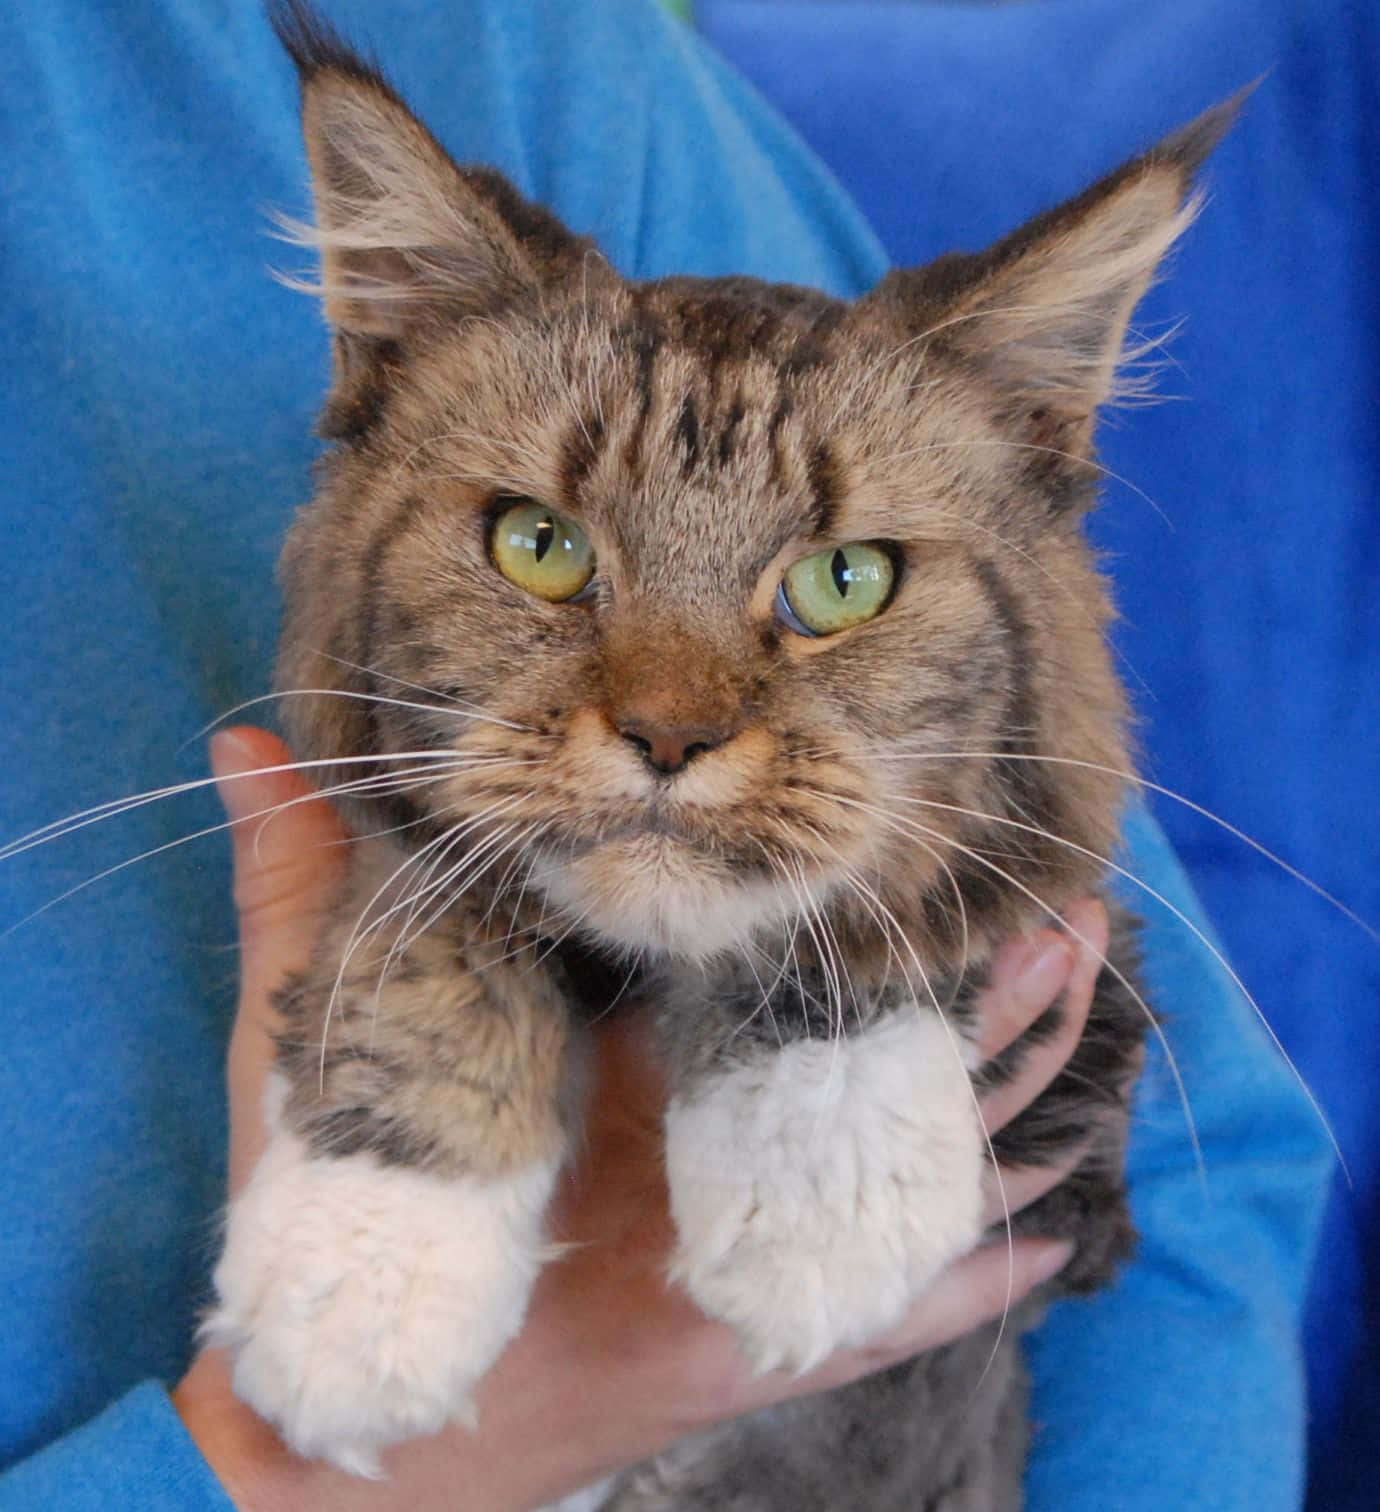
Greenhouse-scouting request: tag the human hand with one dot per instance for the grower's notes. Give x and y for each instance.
(613, 1363)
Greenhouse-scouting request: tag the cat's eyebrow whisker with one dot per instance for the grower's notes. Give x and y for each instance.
(1100, 468)
(1199, 934)
(878, 364)
(1136, 780)
(586, 332)
(500, 482)
(482, 438)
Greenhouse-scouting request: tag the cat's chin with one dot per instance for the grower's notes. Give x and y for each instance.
(649, 894)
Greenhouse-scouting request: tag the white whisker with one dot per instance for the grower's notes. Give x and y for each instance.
(1200, 935)
(1164, 792)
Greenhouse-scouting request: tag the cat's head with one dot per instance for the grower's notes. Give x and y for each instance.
(734, 600)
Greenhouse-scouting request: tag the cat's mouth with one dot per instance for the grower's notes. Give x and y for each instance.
(664, 837)
(647, 887)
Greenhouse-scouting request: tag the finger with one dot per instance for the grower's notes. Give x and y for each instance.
(1028, 973)
(981, 1287)
(1008, 1189)
(286, 843)
(286, 862)
(1042, 1062)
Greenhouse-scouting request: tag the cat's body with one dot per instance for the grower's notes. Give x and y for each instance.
(742, 661)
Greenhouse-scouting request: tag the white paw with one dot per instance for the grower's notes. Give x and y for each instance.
(362, 1302)
(817, 1191)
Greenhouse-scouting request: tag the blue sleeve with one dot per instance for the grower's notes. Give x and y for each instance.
(134, 1454)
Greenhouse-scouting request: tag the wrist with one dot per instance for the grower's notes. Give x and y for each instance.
(256, 1469)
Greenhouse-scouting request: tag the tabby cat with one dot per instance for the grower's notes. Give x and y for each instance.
(742, 660)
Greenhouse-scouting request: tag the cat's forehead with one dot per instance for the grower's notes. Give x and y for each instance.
(701, 427)
(714, 433)
(781, 407)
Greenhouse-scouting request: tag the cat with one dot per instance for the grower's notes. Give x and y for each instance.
(735, 656)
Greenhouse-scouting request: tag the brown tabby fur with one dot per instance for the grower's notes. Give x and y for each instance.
(706, 434)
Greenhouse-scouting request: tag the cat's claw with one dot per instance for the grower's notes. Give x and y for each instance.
(818, 1190)
(362, 1302)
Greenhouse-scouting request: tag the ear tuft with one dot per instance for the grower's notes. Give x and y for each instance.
(407, 239)
(1042, 315)
(1191, 146)
(313, 44)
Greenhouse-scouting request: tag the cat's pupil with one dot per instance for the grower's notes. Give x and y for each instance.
(838, 566)
(546, 533)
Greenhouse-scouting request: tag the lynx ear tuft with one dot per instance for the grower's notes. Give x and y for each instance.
(1042, 315)
(406, 237)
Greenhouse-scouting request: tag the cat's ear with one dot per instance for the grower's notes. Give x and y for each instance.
(1042, 315)
(407, 239)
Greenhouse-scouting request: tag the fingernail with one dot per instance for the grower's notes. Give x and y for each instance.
(1037, 973)
(231, 757)
(1087, 925)
(1050, 1258)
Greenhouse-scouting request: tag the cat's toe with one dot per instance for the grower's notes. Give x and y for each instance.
(363, 1302)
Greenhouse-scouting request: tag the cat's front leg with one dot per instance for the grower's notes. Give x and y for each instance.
(818, 1186)
(381, 1255)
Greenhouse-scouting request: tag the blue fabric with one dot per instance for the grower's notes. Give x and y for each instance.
(159, 391)
(1252, 613)
(135, 1454)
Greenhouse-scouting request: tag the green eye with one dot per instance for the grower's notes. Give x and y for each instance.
(541, 551)
(837, 589)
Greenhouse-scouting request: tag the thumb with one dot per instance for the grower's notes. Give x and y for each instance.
(287, 853)
(287, 862)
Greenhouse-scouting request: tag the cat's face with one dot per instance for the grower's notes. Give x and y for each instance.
(734, 602)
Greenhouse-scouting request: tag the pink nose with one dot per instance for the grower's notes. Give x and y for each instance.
(668, 750)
